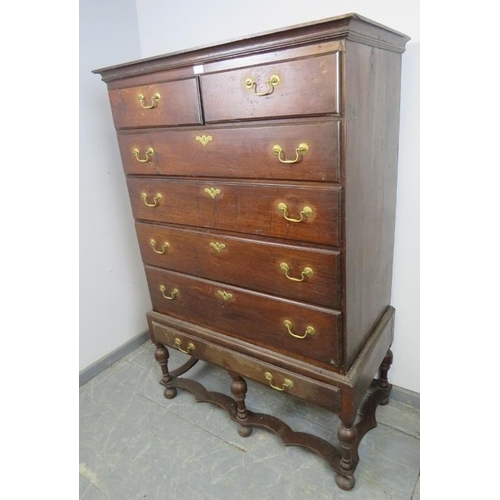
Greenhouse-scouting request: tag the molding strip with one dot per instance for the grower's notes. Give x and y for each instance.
(405, 396)
(109, 359)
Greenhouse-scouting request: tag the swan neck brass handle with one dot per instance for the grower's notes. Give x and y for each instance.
(156, 199)
(307, 272)
(164, 247)
(301, 151)
(154, 101)
(251, 85)
(173, 293)
(310, 331)
(190, 347)
(148, 155)
(225, 296)
(304, 213)
(287, 384)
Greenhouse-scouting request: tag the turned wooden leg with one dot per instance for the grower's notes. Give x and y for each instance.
(348, 438)
(383, 382)
(161, 355)
(239, 391)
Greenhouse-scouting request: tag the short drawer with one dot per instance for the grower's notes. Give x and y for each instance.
(297, 329)
(278, 379)
(293, 88)
(305, 274)
(299, 151)
(305, 212)
(168, 103)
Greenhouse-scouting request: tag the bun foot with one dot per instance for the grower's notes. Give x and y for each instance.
(170, 392)
(344, 482)
(384, 401)
(244, 431)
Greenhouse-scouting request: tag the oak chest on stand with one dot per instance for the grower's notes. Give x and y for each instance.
(262, 178)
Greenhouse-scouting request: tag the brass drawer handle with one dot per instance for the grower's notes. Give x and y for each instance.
(306, 273)
(301, 151)
(154, 101)
(251, 85)
(305, 212)
(224, 295)
(190, 347)
(204, 139)
(149, 155)
(217, 246)
(309, 330)
(172, 295)
(288, 384)
(156, 200)
(164, 247)
(212, 192)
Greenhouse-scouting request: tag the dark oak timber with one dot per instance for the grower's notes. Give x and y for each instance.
(249, 207)
(262, 178)
(237, 151)
(218, 256)
(248, 315)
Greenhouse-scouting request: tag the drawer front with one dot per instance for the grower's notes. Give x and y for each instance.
(261, 319)
(310, 390)
(299, 212)
(293, 88)
(168, 103)
(275, 268)
(308, 151)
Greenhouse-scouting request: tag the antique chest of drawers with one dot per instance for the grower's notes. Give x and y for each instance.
(262, 178)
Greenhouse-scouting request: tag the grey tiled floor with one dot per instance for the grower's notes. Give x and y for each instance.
(134, 444)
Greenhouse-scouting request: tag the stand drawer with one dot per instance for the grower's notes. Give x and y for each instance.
(316, 392)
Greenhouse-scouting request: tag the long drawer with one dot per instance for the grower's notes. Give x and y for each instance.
(303, 212)
(304, 151)
(293, 88)
(279, 379)
(304, 274)
(297, 329)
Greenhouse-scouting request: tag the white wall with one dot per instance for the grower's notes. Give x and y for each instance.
(113, 292)
(168, 26)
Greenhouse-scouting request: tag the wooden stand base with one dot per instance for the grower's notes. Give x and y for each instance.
(350, 438)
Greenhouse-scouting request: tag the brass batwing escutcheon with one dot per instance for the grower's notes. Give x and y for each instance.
(148, 155)
(156, 199)
(301, 151)
(173, 293)
(164, 247)
(217, 246)
(310, 331)
(190, 347)
(251, 85)
(212, 192)
(307, 272)
(304, 213)
(154, 101)
(204, 139)
(225, 296)
(287, 384)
